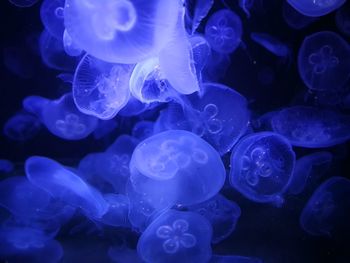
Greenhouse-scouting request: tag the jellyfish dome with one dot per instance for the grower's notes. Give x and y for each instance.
(177, 166)
(125, 31)
(262, 165)
(315, 8)
(324, 61)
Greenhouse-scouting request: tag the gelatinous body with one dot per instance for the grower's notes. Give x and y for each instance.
(176, 237)
(118, 209)
(262, 166)
(69, 46)
(311, 127)
(126, 31)
(101, 89)
(176, 167)
(223, 31)
(294, 19)
(22, 127)
(6, 166)
(324, 60)
(328, 210)
(52, 17)
(271, 43)
(316, 7)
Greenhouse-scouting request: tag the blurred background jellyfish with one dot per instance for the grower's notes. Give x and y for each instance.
(176, 237)
(126, 31)
(295, 19)
(223, 31)
(52, 17)
(327, 212)
(100, 88)
(6, 166)
(22, 127)
(262, 166)
(316, 7)
(342, 19)
(324, 61)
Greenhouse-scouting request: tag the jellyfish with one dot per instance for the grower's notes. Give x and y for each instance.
(69, 46)
(233, 259)
(201, 52)
(176, 166)
(222, 213)
(316, 8)
(118, 210)
(342, 19)
(304, 170)
(223, 31)
(327, 211)
(294, 19)
(134, 107)
(6, 166)
(176, 237)
(23, 3)
(126, 31)
(65, 185)
(311, 127)
(34, 104)
(100, 88)
(52, 17)
(22, 127)
(143, 129)
(262, 166)
(323, 61)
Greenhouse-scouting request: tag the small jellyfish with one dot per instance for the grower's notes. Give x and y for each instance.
(6, 166)
(234, 259)
(65, 185)
(262, 165)
(22, 127)
(223, 31)
(52, 17)
(139, 29)
(271, 43)
(311, 127)
(176, 237)
(342, 19)
(324, 60)
(315, 8)
(294, 19)
(222, 213)
(101, 89)
(176, 167)
(327, 211)
(23, 3)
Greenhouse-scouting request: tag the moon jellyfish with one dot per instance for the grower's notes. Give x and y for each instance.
(62, 118)
(222, 213)
(271, 43)
(324, 60)
(311, 127)
(176, 237)
(327, 211)
(64, 185)
(233, 259)
(101, 89)
(126, 31)
(23, 3)
(177, 167)
(223, 31)
(22, 127)
(315, 8)
(294, 19)
(262, 166)
(118, 209)
(342, 19)
(52, 17)
(304, 170)
(6, 166)
(69, 46)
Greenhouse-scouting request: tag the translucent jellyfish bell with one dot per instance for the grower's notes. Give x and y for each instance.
(176, 237)
(223, 31)
(324, 61)
(51, 14)
(177, 166)
(101, 89)
(262, 165)
(294, 19)
(125, 31)
(316, 7)
(22, 126)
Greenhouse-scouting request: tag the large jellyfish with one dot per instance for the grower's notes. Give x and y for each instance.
(177, 167)
(101, 89)
(223, 31)
(316, 8)
(176, 237)
(324, 61)
(328, 210)
(311, 127)
(262, 167)
(125, 31)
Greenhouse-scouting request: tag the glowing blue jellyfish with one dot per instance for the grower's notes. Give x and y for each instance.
(65, 185)
(233, 259)
(304, 170)
(294, 19)
(52, 17)
(176, 167)
(223, 31)
(21, 127)
(23, 3)
(311, 127)
(324, 60)
(6, 166)
(222, 213)
(271, 43)
(316, 7)
(101, 89)
(328, 210)
(342, 19)
(126, 31)
(34, 104)
(262, 166)
(69, 46)
(118, 210)
(176, 237)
